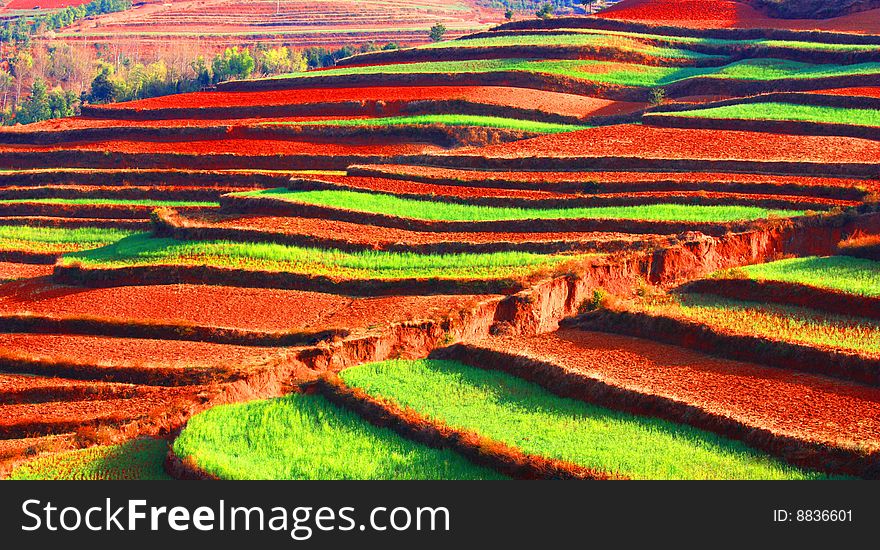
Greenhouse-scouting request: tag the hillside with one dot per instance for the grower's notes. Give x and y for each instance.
(570, 248)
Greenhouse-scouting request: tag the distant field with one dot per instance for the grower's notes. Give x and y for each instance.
(138, 459)
(305, 437)
(788, 111)
(521, 414)
(786, 323)
(626, 74)
(447, 120)
(109, 202)
(143, 250)
(843, 273)
(435, 210)
(54, 239)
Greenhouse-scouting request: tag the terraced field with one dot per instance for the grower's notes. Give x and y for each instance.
(348, 259)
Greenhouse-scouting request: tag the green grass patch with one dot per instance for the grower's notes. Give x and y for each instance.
(109, 202)
(137, 459)
(441, 211)
(504, 408)
(143, 250)
(447, 120)
(610, 72)
(305, 437)
(777, 322)
(788, 111)
(58, 239)
(843, 273)
(689, 40)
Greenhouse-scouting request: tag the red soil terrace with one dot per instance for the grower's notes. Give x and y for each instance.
(257, 147)
(84, 123)
(229, 307)
(708, 14)
(611, 177)
(102, 350)
(674, 143)
(552, 102)
(808, 407)
(862, 91)
(9, 271)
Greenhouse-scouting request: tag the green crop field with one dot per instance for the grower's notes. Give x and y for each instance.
(778, 322)
(787, 111)
(843, 273)
(615, 42)
(108, 202)
(446, 120)
(625, 74)
(143, 250)
(305, 437)
(690, 40)
(57, 239)
(436, 210)
(137, 459)
(521, 414)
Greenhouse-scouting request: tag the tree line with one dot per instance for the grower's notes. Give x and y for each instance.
(127, 80)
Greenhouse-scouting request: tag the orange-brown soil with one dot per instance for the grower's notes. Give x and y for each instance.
(813, 408)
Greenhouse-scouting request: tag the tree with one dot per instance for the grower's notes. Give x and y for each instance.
(61, 104)
(202, 72)
(36, 106)
(437, 32)
(6, 81)
(545, 12)
(233, 63)
(22, 63)
(508, 14)
(103, 89)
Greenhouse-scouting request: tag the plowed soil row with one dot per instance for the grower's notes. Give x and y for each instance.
(181, 177)
(199, 194)
(28, 420)
(672, 143)
(807, 358)
(710, 393)
(12, 271)
(863, 91)
(385, 100)
(208, 159)
(58, 125)
(99, 276)
(623, 182)
(101, 211)
(51, 221)
(488, 196)
(334, 135)
(257, 147)
(790, 294)
(36, 324)
(19, 388)
(354, 236)
(230, 307)
(710, 14)
(135, 352)
(775, 127)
